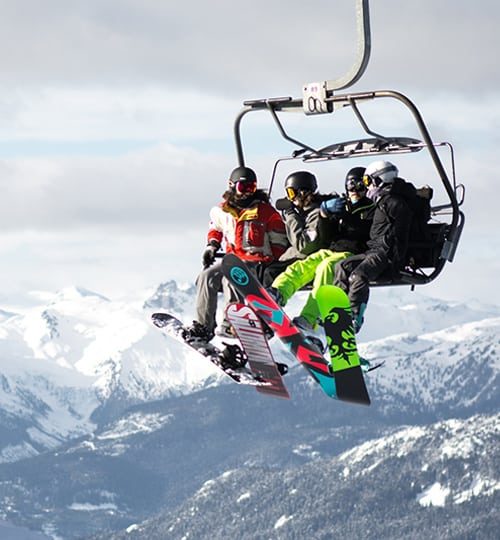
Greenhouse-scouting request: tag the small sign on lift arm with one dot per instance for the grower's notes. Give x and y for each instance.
(314, 99)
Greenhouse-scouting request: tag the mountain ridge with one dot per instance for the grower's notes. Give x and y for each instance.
(80, 357)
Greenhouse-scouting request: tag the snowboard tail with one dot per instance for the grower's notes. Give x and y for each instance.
(335, 312)
(238, 274)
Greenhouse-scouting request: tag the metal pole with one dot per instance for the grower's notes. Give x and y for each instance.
(363, 53)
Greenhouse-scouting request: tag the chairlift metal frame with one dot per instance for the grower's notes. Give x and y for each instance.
(320, 98)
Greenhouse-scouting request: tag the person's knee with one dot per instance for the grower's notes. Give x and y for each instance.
(323, 266)
(322, 253)
(211, 277)
(341, 269)
(357, 279)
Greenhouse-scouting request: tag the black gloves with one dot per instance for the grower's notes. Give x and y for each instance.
(208, 257)
(284, 204)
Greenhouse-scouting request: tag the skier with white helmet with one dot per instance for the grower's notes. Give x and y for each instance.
(388, 236)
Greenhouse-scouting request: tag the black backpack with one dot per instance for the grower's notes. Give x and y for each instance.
(420, 232)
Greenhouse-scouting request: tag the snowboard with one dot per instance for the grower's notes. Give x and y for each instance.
(239, 275)
(174, 328)
(335, 311)
(249, 330)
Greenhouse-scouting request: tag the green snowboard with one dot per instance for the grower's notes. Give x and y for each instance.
(335, 311)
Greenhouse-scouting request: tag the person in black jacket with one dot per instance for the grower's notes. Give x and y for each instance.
(388, 236)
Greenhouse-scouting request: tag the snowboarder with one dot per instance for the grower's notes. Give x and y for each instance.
(349, 218)
(388, 236)
(301, 213)
(251, 228)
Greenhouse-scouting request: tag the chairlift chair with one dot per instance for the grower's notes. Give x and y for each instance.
(447, 219)
(321, 98)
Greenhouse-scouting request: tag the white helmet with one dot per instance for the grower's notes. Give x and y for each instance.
(380, 172)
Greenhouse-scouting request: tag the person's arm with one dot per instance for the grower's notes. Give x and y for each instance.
(304, 230)
(276, 231)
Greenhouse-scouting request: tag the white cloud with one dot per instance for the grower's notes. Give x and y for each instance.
(237, 48)
(163, 186)
(117, 117)
(99, 113)
(109, 262)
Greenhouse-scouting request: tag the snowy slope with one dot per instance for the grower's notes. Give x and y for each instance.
(435, 481)
(398, 310)
(79, 352)
(457, 366)
(63, 360)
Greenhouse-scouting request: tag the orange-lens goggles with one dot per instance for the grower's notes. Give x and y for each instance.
(367, 180)
(291, 193)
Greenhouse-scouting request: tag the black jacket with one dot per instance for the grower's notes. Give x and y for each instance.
(392, 220)
(352, 230)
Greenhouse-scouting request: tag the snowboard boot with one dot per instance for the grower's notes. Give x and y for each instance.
(365, 365)
(358, 318)
(197, 332)
(225, 330)
(276, 295)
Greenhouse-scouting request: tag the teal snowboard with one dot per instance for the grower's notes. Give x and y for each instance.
(335, 311)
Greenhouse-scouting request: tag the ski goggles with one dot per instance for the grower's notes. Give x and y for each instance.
(291, 193)
(244, 187)
(367, 180)
(355, 186)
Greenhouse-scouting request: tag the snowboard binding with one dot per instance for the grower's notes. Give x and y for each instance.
(233, 357)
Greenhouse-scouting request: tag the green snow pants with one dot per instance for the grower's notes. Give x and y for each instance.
(318, 268)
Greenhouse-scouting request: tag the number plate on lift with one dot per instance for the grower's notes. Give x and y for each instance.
(314, 99)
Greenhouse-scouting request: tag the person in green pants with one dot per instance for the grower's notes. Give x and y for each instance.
(350, 218)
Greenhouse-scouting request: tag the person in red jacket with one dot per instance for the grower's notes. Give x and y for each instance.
(247, 225)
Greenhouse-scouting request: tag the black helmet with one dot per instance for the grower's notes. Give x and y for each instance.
(300, 181)
(242, 174)
(354, 180)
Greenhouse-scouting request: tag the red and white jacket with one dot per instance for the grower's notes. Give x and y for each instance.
(256, 233)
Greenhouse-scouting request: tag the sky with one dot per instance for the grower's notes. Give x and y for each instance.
(116, 126)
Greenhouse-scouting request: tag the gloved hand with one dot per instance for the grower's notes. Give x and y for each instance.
(208, 257)
(284, 204)
(333, 207)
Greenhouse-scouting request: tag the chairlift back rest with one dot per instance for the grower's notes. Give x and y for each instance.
(422, 255)
(425, 244)
(425, 252)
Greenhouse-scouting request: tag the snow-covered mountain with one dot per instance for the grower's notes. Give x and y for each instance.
(76, 354)
(105, 421)
(453, 369)
(79, 354)
(435, 481)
